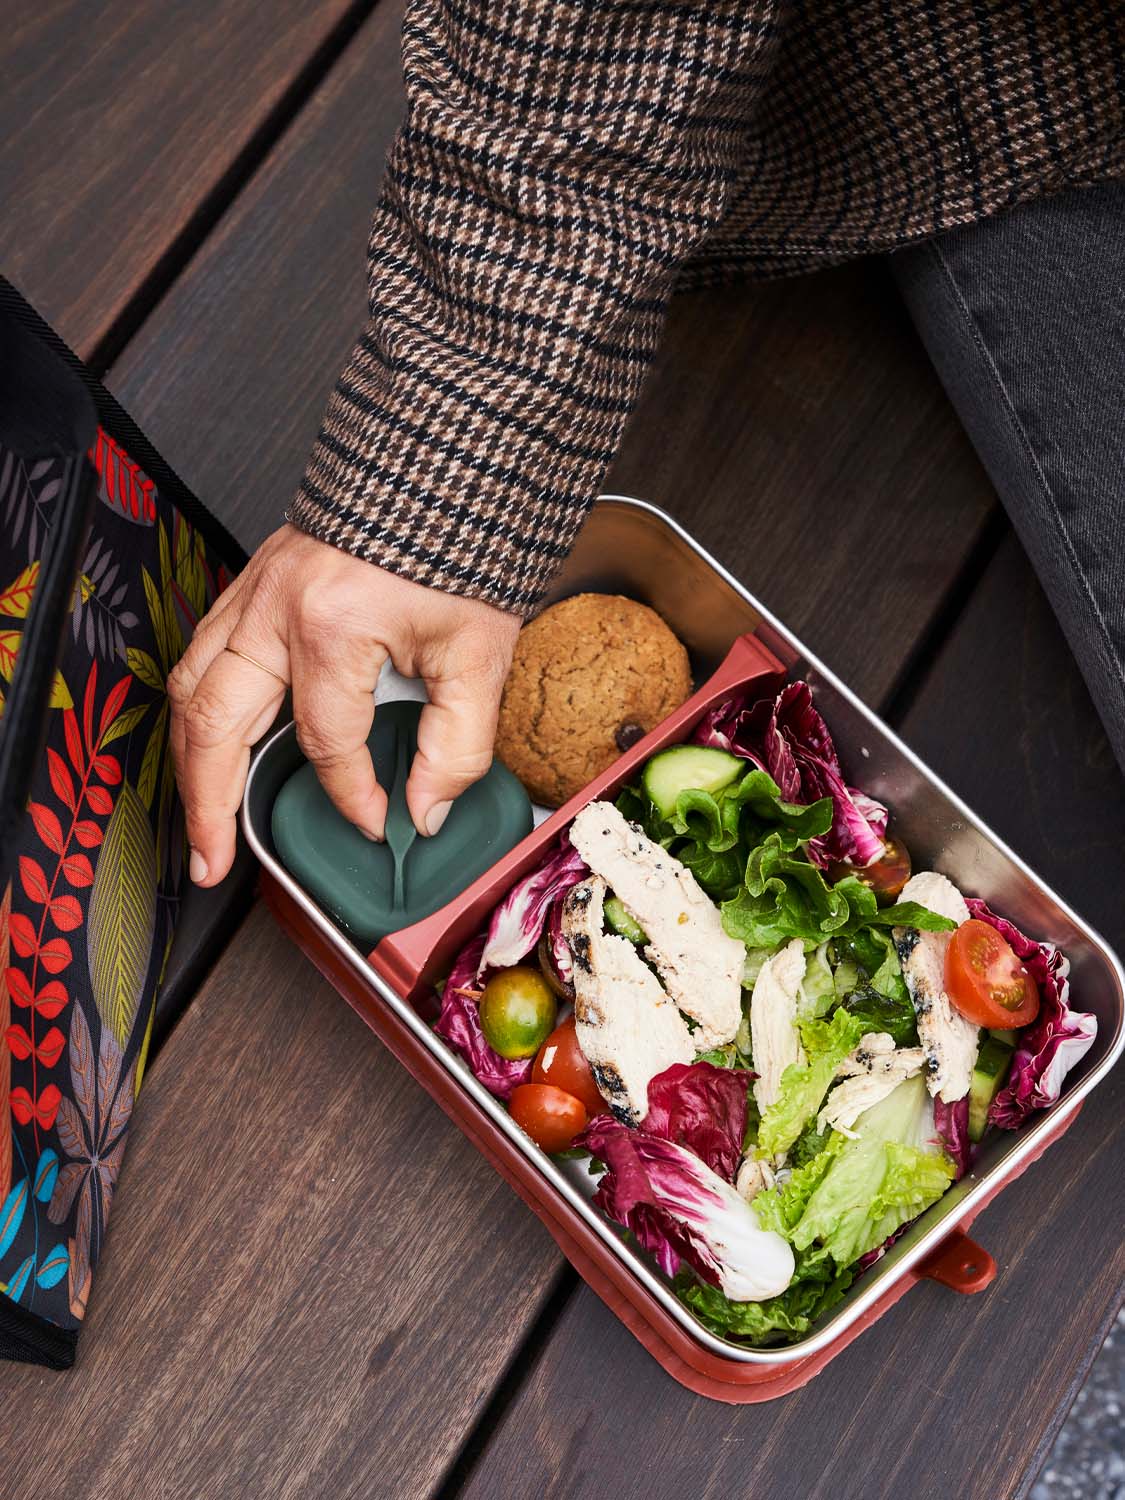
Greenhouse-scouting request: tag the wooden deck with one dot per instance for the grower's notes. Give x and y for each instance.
(313, 1284)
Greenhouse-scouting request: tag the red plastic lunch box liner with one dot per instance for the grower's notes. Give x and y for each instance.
(410, 960)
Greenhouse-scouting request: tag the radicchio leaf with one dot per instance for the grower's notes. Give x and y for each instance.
(702, 1107)
(952, 1124)
(1055, 1041)
(517, 922)
(788, 738)
(678, 1209)
(459, 1024)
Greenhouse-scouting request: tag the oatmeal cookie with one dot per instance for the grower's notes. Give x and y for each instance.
(590, 675)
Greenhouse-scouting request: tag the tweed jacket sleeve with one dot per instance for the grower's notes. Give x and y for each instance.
(563, 163)
(558, 162)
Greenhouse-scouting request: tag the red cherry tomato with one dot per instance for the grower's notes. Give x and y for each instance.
(551, 1117)
(986, 981)
(886, 877)
(561, 1061)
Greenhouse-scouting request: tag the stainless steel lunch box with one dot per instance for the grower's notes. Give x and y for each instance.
(633, 548)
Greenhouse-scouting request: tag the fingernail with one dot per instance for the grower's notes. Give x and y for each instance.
(436, 817)
(369, 833)
(197, 867)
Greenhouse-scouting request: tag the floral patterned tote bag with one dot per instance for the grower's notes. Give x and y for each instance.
(106, 563)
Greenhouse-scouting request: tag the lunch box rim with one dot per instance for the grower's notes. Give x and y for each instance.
(881, 1277)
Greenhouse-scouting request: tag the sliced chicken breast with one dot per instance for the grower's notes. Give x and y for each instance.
(628, 1028)
(774, 1039)
(948, 1039)
(700, 964)
(874, 1070)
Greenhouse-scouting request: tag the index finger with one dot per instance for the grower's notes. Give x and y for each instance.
(233, 704)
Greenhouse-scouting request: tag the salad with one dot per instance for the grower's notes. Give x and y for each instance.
(776, 1044)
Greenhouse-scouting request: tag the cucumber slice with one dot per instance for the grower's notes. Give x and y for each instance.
(622, 923)
(993, 1061)
(671, 772)
(1007, 1037)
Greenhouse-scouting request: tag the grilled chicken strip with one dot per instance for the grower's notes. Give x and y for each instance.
(948, 1039)
(700, 964)
(774, 1039)
(628, 1028)
(874, 1070)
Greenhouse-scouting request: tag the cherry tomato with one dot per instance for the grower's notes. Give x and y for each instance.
(551, 1117)
(561, 1062)
(886, 877)
(986, 981)
(517, 1011)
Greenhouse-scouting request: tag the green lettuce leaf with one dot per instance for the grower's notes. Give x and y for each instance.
(816, 1288)
(803, 1088)
(879, 1012)
(884, 1177)
(784, 897)
(817, 993)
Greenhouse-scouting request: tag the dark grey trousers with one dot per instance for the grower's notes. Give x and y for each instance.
(1024, 318)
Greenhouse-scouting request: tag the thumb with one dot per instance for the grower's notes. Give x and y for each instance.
(456, 733)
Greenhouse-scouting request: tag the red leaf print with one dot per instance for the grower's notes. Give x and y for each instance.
(78, 870)
(18, 987)
(66, 913)
(54, 955)
(88, 706)
(47, 826)
(52, 998)
(61, 779)
(99, 800)
(21, 1106)
(33, 880)
(18, 1041)
(114, 700)
(73, 740)
(22, 934)
(88, 834)
(108, 768)
(44, 1109)
(50, 1048)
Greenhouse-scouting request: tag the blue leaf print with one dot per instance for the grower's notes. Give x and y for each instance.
(45, 1174)
(11, 1215)
(19, 1280)
(53, 1268)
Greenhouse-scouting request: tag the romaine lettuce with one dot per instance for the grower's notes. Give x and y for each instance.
(886, 1175)
(803, 1087)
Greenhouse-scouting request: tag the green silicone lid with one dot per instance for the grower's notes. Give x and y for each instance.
(374, 889)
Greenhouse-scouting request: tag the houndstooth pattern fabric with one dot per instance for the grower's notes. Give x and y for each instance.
(564, 164)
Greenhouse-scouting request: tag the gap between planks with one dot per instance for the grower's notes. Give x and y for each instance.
(179, 253)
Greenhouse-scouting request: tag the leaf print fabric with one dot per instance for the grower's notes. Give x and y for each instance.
(90, 909)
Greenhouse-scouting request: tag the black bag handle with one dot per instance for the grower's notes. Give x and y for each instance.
(45, 413)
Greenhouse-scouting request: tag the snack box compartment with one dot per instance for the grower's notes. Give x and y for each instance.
(632, 548)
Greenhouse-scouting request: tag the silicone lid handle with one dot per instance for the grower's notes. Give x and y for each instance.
(400, 829)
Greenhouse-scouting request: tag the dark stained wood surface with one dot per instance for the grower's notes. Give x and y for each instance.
(230, 375)
(798, 431)
(945, 1394)
(116, 120)
(312, 1283)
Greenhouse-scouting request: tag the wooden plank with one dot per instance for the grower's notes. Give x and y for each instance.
(116, 122)
(924, 1400)
(311, 1284)
(231, 374)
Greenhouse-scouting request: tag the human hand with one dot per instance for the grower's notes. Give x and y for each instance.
(325, 622)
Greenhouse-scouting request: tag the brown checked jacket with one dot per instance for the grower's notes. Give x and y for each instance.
(564, 164)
